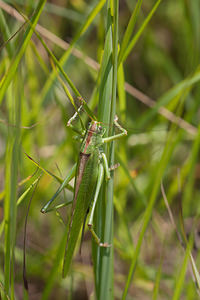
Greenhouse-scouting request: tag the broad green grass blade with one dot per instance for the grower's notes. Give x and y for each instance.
(121, 93)
(12, 162)
(106, 112)
(101, 256)
(15, 62)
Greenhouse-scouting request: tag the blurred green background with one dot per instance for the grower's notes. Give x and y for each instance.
(163, 66)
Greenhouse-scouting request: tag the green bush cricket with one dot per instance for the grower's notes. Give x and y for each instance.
(89, 174)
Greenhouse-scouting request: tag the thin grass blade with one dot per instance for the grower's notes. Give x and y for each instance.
(129, 30)
(139, 33)
(5, 82)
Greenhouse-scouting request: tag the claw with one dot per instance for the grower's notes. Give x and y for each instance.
(116, 118)
(105, 245)
(115, 166)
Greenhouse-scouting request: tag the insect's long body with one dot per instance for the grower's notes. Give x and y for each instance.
(89, 174)
(85, 183)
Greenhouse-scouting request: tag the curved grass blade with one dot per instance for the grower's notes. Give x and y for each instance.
(19, 201)
(69, 81)
(24, 240)
(62, 186)
(129, 30)
(181, 275)
(185, 244)
(129, 47)
(5, 82)
(130, 89)
(65, 57)
(60, 180)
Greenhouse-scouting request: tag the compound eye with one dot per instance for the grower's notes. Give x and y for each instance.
(100, 128)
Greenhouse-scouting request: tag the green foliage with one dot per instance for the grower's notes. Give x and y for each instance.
(119, 52)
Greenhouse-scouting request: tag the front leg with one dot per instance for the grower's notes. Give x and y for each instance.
(69, 123)
(116, 136)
